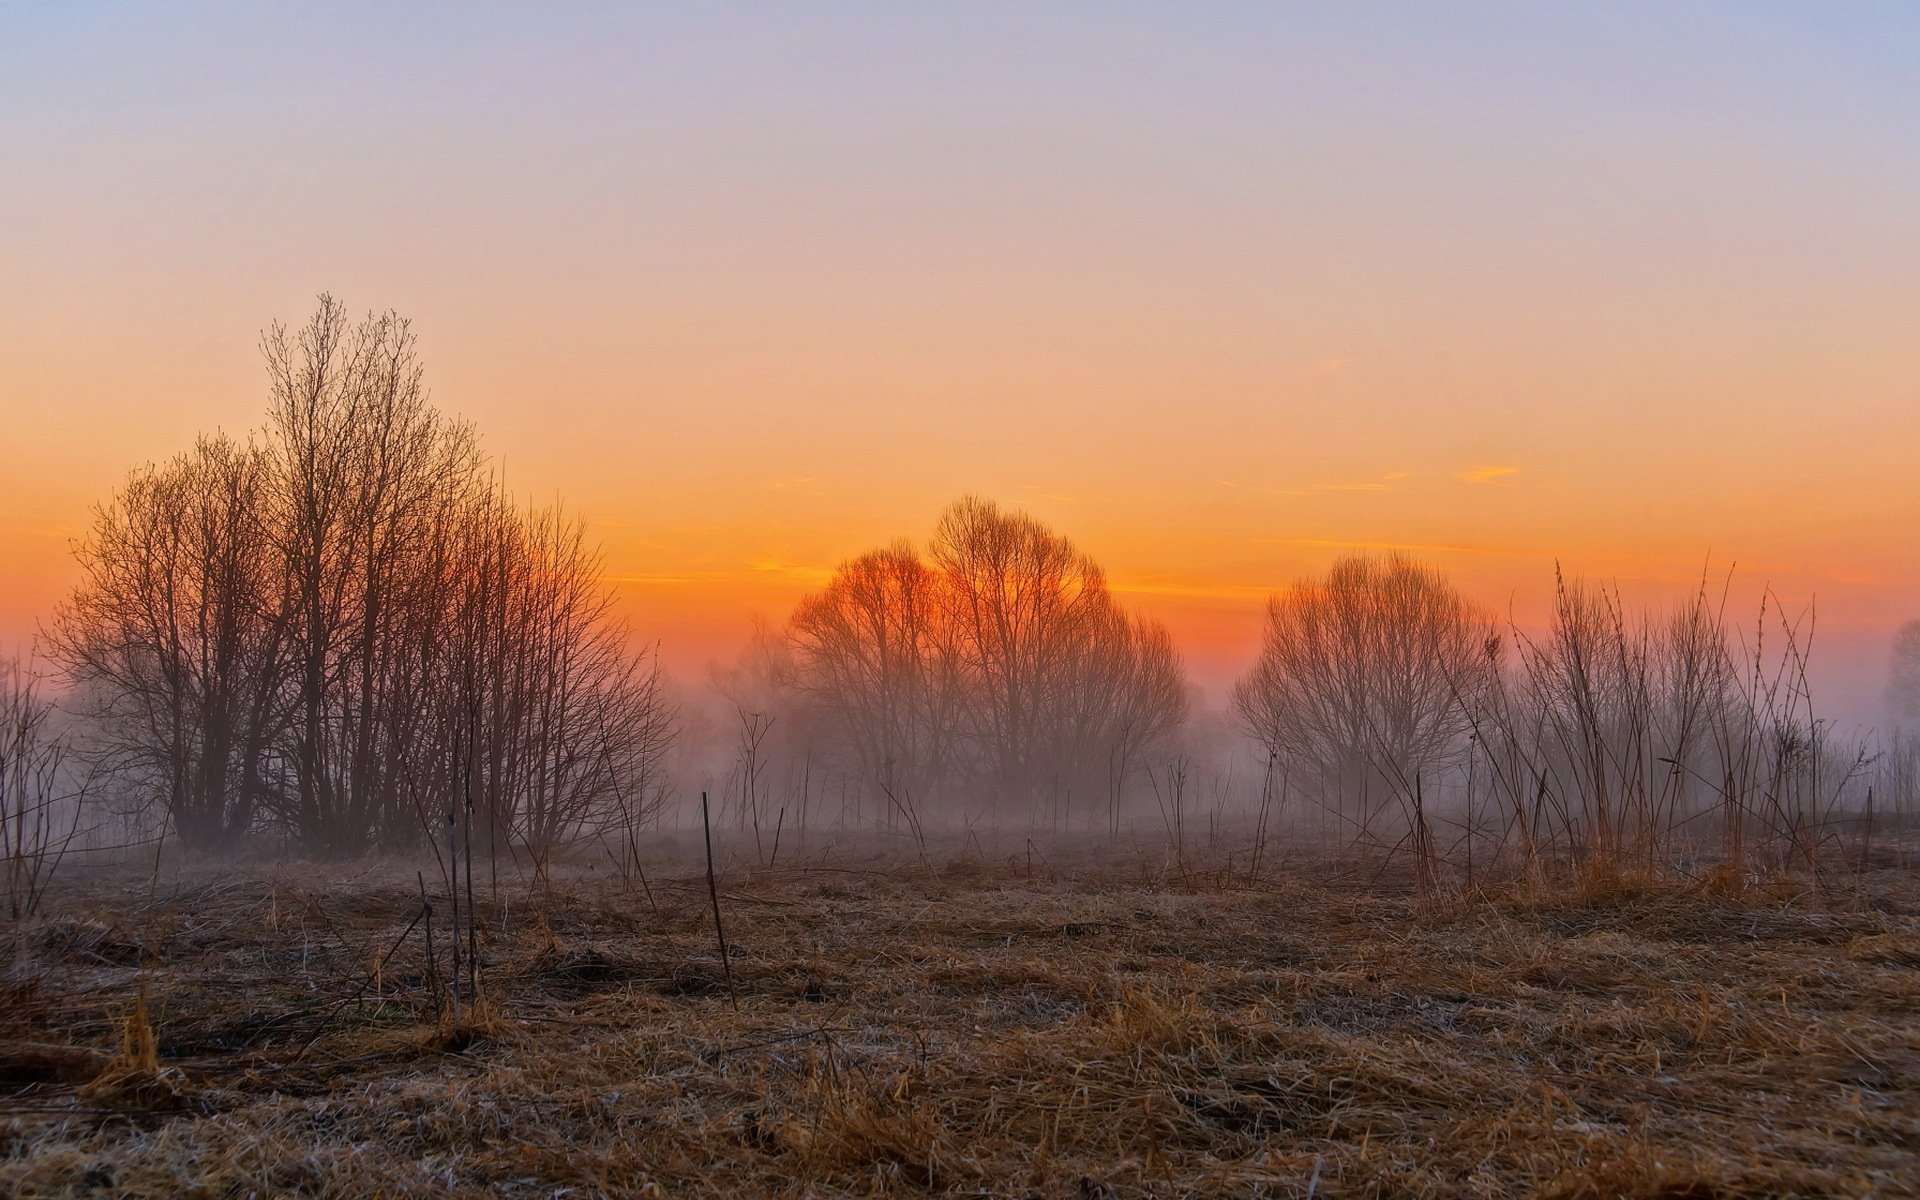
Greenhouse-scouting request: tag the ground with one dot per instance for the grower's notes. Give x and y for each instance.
(966, 1028)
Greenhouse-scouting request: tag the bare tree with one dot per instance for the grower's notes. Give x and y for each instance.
(1002, 664)
(367, 475)
(349, 629)
(42, 791)
(572, 725)
(875, 666)
(1130, 698)
(176, 638)
(1361, 677)
(1028, 611)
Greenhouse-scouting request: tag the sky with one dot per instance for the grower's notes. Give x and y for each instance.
(1220, 291)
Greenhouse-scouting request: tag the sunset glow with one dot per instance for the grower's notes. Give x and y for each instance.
(1218, 293)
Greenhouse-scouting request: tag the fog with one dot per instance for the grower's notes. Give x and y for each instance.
(341, 634)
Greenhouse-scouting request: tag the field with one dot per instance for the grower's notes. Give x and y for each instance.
(1007, 1027)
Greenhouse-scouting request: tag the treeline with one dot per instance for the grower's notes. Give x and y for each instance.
(340, 630)
(1614, 735)
(994, 675)
(343, 629)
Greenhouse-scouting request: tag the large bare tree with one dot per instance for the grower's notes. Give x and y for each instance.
(348, 630)
(369, 477)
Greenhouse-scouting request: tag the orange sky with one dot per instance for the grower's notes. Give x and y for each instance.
(1219, 296)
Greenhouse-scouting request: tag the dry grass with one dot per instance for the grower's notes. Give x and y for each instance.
(968, 1032)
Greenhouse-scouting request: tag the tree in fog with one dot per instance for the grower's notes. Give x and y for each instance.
(1000, 662)
(1036, 634)
(1903, 684)
(371, 478)
(177, 638)
(346, 629)
(762, 732)
(1147, 698)
(42, 789)
(564, 730)
(1367, 676)
(877, 671)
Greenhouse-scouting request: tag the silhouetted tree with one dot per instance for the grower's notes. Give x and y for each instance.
(1366, 676)
(876, 666)
(177, 637)
(1001, 663)
(349, 630)
(369, 479)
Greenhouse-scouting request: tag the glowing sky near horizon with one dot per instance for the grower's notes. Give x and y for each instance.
(1219, 291)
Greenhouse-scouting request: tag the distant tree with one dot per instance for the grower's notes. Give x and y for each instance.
(764, 725)
(876, 666)
(1029, 614)
(1000, 662)
(1362, 675)
(1138, 705)
(1903, 685)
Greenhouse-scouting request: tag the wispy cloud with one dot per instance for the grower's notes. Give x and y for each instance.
(805, 572)
(1487, 474)
(630, 580)
(759, 569)
(36, 530)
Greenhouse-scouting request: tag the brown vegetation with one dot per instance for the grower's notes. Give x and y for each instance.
(975, 1029)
